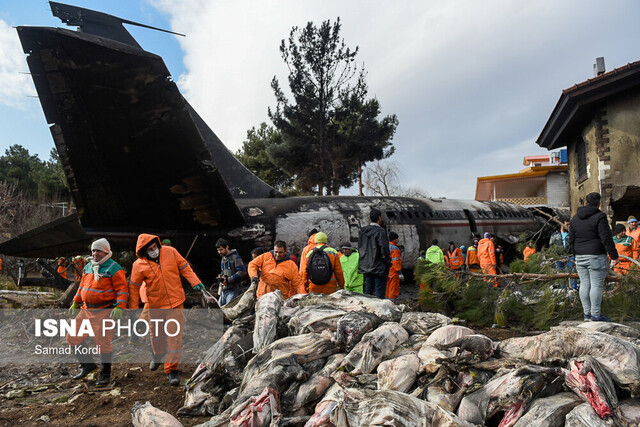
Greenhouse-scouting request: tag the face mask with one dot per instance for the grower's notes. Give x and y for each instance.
(153, 254)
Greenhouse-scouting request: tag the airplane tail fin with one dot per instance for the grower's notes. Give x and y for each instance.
(133, 150)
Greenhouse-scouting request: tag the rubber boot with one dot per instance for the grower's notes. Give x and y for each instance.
(86, 362)
(173, 378)
(105, 373)
(156, 361)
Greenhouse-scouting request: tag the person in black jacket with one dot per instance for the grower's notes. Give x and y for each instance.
(375, 259)
(590, 240)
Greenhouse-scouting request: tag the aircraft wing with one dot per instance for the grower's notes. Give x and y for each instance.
(62, 236)
(134, 152)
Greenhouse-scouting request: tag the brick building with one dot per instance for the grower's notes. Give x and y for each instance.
(598, 121)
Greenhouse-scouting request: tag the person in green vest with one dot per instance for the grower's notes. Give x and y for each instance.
(349, 259)
(434, 253)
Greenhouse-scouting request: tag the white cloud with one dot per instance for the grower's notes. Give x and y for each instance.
(15, 83)
(472, 82)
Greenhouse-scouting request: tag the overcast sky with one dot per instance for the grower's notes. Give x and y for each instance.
(472, 82)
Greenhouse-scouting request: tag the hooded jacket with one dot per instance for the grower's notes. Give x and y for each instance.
(373, 245)
(276, 275)
(352, 279)
(590, 233)
(162, 278)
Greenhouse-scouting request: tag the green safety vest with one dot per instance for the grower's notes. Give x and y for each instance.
(434, 254)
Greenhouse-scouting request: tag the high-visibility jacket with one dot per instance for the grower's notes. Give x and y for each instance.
(353, 280)
(337, 279)
(62, 267)
(628, 247)
(473, 261)
(311, 243)
(111, 290)
(527, 252)
(276, 275)
(1, 264)
(393, 281)
(635, 234)
(78, 265)
(454, 259)
(486, 252)
(162, 277)
(434, 255)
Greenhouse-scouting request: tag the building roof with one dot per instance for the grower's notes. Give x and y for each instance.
(542, 158)
(578, 102)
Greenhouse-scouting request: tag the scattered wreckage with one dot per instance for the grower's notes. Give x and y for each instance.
(349, 359)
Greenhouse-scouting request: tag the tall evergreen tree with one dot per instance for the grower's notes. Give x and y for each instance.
(330, 129)
(253, 155)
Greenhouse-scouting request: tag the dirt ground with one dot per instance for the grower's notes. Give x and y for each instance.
(52, 398)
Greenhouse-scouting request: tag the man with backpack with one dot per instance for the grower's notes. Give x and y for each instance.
(324, 270)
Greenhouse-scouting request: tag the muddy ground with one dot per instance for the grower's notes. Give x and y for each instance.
(47, 395)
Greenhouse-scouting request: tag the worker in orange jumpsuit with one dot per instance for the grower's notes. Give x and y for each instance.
(1, 265)
(160, 268)
(487, 257)
(473, 261)
(103, 292)
(78, 266)
(633, 230)
(311, 243)
(393, 282)
(62, 267)
(454, 258)
(627, 246)
(274, 270)
(529, 250)
(337, 279)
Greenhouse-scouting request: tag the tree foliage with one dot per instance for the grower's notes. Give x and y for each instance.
(330, 129)
(33, 177)
(253, 155)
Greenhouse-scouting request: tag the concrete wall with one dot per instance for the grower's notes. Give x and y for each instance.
(613, 152)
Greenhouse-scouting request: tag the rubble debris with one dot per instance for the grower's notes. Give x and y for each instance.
(146, 415)
(345, 359)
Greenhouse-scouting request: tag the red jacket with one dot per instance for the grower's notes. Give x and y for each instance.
(162, 278)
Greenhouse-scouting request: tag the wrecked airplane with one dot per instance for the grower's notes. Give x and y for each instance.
(138, 158)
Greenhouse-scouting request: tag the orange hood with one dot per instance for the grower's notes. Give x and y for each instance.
(144, 240)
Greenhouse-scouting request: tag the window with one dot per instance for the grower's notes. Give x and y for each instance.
(581, 158)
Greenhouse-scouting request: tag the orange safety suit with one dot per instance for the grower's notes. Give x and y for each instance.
(164, 291)
(275, 275)
(99, 298)
(635, 234)
(337, 279)
(487, 257)
(311, 243)
(393, 282)
(1, 265)
(473, 261)
(628, 247)
(78, 265)
(62, 267)
(527, 252)
(454, 259)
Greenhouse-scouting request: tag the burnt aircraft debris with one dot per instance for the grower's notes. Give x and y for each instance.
(138, 158)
